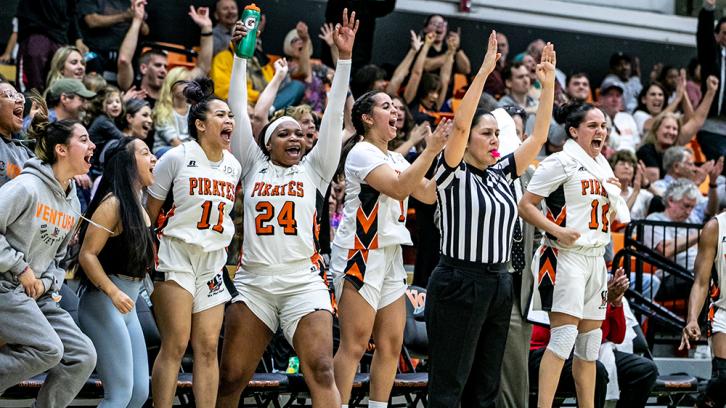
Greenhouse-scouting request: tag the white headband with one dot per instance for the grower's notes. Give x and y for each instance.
(275, 123)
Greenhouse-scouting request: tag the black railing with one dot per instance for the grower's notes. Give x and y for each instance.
(641, 249)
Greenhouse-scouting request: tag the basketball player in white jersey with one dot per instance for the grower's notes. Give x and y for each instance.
(577, 226)
(280, 282)
(366, 258)
(711, 249)
(199, 177)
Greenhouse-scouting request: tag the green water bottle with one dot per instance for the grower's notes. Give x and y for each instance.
(293, 365)
(250, 18)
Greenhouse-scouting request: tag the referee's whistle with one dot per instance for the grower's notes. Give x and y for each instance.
(495, 153)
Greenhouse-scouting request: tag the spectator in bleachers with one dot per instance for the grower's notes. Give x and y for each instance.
(226, 13)
(652, 102)
(260, 112)
(517, 80)
(693, 85)
(623, 129)
(669, 130)
(171, 112)
(678, 164)
(635, 186)
(368, 78)
(443, 41)
(116, 254)
(578, 87)
(261, 72)
(670, 77)
(153, 63)
(625, 69)
(43, 27)
(298, 48)
(67, 99)
(13, 153)
(711, 43)
(407, 140)
(67, 62)
(108, 108)
(103, 24)
(43, 336)
(678, 244)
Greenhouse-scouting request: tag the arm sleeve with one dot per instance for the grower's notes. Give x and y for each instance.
(549, 175)
(325, 155)
(15, 201)
(363, 159)
(165, 172)
(507, 166)
(705, 43)
(244, 147)
(445, 175)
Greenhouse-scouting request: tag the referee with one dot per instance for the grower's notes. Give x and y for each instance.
(470, 291)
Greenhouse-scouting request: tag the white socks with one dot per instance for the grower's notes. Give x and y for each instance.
(377, 404)
(344, 406)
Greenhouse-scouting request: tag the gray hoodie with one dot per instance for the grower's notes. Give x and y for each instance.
(37, 220)
(13, 155)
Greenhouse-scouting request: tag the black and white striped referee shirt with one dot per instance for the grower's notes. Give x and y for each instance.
(478, 210)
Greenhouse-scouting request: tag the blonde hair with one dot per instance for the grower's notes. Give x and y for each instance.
(59, 62)
(297, 112)
(164, 107)
(651, 135)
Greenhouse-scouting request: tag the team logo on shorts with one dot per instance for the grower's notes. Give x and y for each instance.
(603, 299)
(215, 285)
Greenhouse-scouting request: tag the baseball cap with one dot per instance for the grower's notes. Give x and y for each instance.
(70, 86)
(609, 83)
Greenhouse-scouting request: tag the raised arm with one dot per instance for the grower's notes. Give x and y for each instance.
(462, 61)
(402, 70)
(707, 247)
(418, 67)
(411, 181)
(243, 144)
(326, 153)
(445, 77)
(530, 212)
(690, 128)
(128, 46)
(268, 95)
(305, 69)
(454, 152)
(527, 152)
(200, 16)
(326, 34)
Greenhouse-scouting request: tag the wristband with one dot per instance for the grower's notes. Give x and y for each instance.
(207, 34)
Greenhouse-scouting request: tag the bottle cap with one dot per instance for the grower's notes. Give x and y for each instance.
(252, 7)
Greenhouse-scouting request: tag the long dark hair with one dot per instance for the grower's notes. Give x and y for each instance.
(643, 92)
(119, 176)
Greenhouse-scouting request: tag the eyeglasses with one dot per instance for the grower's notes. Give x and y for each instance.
(13, 95)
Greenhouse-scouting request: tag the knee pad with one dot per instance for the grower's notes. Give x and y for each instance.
(715, 393)
(587, 346)
(562, 339)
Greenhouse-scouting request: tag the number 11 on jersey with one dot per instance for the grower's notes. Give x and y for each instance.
(206, 214)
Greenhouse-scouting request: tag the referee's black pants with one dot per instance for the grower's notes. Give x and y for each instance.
(468, 307)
